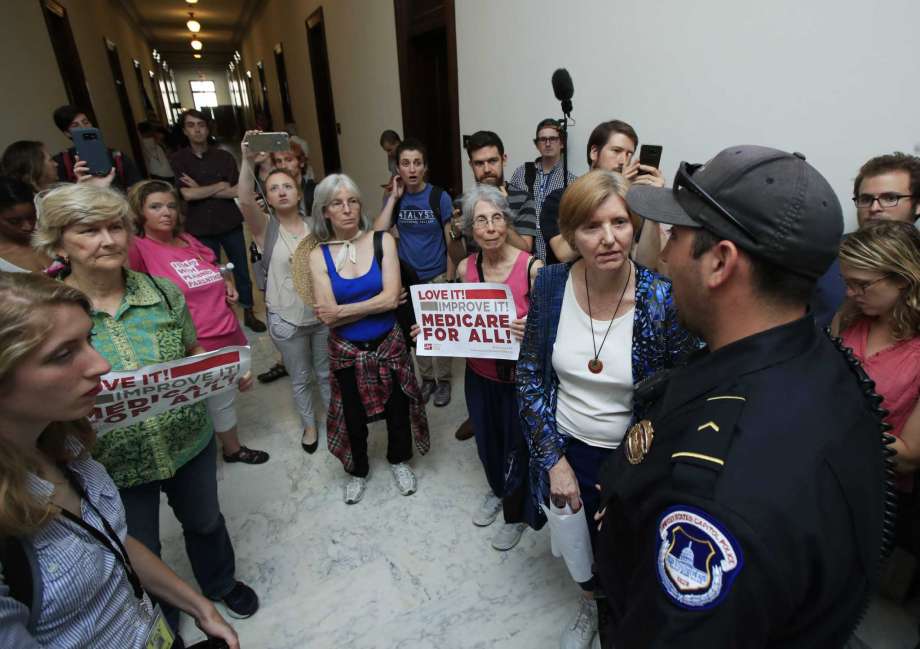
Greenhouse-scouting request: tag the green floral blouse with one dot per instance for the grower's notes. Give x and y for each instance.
(152, 325)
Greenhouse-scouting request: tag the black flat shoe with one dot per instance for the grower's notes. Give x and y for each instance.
(310, 448)
(276, 372)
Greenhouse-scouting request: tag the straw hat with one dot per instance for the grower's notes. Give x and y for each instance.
(300, 269)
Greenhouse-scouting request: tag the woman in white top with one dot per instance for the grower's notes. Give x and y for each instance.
(294, 328)
(596, 327)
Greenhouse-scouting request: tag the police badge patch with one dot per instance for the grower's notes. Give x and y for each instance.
(698, 559)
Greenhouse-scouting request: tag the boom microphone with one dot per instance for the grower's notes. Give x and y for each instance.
(563, 88)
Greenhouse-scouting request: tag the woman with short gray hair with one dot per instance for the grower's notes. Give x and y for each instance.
(491, 397)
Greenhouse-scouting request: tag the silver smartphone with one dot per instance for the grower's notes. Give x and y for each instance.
(267, 142)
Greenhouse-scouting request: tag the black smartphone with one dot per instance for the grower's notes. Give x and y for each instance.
(91, 149)
(650, 154)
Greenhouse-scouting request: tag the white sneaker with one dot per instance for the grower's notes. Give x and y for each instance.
(405, 479)
(354, 490)
(508, 536)
(579, 634)
(488, 511)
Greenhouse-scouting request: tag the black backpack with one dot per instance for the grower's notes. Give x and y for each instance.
(530, 177)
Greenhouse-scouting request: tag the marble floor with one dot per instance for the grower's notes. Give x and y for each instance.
(391, 572)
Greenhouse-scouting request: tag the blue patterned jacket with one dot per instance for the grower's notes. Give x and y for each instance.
(658, 342)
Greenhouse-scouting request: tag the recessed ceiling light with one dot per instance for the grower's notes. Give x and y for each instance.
(196, 55)
(192, 2)
(193, 25)
(196, 44)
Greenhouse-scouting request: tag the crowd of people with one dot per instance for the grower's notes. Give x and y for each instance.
(671, 356)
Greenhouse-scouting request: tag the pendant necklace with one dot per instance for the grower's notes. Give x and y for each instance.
(595, 365)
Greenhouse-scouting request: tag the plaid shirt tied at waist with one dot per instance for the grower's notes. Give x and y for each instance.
(375, 371)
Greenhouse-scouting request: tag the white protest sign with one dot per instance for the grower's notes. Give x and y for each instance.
(131, 396)
(469, 320)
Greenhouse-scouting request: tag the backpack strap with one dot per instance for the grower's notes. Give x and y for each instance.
(530, 176)
(68, 165)
(434, 201)
(21, 576)
(378, 248)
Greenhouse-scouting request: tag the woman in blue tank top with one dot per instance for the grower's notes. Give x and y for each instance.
(356, 287)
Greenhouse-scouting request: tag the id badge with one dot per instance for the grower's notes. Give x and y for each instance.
(160, 635)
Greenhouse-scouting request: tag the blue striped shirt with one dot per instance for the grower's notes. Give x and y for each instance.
(87, 600)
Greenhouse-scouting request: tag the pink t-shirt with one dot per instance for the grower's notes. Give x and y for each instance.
(193, 269)
(896, 372)
(518, 282)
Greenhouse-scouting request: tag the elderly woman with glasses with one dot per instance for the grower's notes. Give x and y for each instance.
(356, 287)
(491, 396)
(596, 328)
(140, 320)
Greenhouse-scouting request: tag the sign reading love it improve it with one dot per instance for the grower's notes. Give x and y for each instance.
(131, 396)
(469, 320)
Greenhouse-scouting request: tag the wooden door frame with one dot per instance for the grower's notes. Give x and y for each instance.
(79, 97)
(404, 31)
(330, 164)
(124, 103)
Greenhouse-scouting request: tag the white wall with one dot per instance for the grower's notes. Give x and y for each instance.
(361, 44)
(834, 79)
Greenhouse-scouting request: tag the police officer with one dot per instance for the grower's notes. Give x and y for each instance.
(746, 507)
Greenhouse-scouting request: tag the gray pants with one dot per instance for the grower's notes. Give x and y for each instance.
(305, 351)
(434, 368)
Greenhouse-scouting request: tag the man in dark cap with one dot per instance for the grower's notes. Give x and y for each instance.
(746, 506)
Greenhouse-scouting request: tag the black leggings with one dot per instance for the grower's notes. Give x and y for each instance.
(399, 432)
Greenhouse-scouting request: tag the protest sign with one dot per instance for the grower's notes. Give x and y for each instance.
(469, 320)
(131, 396)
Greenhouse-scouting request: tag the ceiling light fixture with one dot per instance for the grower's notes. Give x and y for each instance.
(192, 2)
(196, 55)
(193, 25)
(196, 44)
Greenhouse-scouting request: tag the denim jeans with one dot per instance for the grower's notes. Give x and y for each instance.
(234, 244)
(192, 495)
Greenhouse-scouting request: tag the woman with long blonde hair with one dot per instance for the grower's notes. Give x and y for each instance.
(59, 507)
(880, 322)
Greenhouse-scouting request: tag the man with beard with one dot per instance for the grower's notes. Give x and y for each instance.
(487, 160)
(746, 507)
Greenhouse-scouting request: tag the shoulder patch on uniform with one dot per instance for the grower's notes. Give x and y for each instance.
(698, 558)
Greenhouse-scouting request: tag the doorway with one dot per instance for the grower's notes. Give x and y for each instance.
(322, 91)
(125, 104)
(266, 117)
(281, 69)
(68, 58)
(426, 42)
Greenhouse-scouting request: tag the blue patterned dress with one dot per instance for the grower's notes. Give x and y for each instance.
(658, 342)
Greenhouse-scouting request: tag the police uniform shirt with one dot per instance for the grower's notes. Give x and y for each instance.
(755, 518)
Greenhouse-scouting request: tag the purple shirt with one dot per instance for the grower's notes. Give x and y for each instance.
(208, 216)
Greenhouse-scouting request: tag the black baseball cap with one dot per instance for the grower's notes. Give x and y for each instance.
(770, 203)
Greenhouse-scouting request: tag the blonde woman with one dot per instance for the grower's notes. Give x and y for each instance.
(60, 509)
(880, 322)
(140, 320)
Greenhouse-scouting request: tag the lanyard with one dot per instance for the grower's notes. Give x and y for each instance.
(544, 180)
(109, 540)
